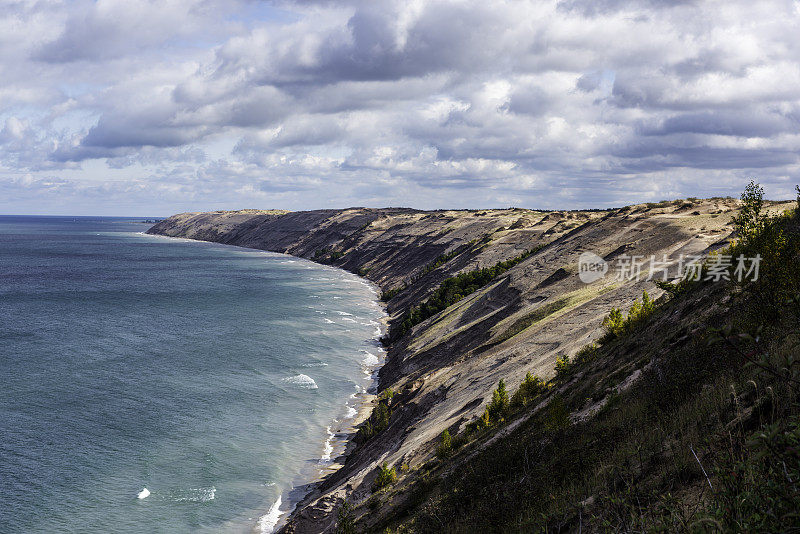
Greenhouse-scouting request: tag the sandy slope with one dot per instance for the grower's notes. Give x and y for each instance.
(445, 369)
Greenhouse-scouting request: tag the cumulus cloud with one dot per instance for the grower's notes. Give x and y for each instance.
(429, 103)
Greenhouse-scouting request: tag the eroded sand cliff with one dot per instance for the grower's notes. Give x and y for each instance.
(444, 369)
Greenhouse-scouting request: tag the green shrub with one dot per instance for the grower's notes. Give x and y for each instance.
(557, 415)
(768, 237)
(749, 224)
(378, 420)
(445, 447)
(389, 294)
(753, 486)
(616, 324)
(386, 477)
(499, 406)
(585, 355)
(531, 387)
(444, 258)
(797, 209)
(345, 523)
(562, 366)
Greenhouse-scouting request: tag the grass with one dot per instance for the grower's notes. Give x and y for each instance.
(550, 311)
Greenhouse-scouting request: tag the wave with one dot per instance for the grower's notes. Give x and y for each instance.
(326, 454)
(302, 381)
(351, 412)
(370, 360)
(194, 495)
(328, 321)
(343, 313)
(268, 521)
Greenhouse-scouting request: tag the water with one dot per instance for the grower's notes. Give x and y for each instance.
(212, 376)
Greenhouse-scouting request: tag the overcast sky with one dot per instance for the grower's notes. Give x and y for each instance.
(128, 107)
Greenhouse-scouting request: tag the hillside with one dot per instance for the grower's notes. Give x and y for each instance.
(476, 297)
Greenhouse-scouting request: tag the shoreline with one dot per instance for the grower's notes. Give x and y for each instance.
(341, 431)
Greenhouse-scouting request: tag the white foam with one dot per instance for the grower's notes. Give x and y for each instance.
(145, 493)
(370, 360)
(195, 495)
(326, 453)
(343, 313)
(351, 412)
(269, 521)
(302, 381)
(328, 321)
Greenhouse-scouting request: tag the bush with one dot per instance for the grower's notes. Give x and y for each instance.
(562, 366)
(389, 294)
(585, 355)
(386, 477)
(769, 238)
(756, 489)
(499, 406)
(752, 219)
(557, 415)
(378, 420)
(616, 325)
(531, 387)
(445, 447)
(797, 209)
(345, 524)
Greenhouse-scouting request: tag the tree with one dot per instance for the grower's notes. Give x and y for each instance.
(445, 447)
(752, 219)
(386, 477)
(797, 211)
(530, 387)
(499, 405)
(345, 523)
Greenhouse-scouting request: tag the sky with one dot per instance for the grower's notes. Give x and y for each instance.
(132, 107)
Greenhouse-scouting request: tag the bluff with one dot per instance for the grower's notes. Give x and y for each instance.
(528, 312)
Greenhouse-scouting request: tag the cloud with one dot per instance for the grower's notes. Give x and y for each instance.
(427, 103)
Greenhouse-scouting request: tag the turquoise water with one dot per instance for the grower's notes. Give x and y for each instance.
(213, 376)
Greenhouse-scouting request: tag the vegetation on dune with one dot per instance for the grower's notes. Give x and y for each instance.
(435, 264)
(616, 324)
(445, 258)
(389, 294)
(378, 420)
(445, 447)
(706, 439)
(386, 477)
(454, 289)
